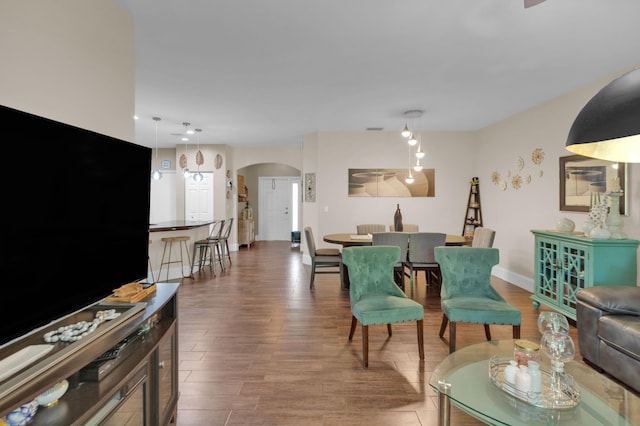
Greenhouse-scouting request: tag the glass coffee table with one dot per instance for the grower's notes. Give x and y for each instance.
(462, 379)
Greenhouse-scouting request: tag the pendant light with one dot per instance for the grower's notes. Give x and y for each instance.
(409, 132)
(198, 177)
(608, 126)
(409, 179)
(184, 158)
(155, 173)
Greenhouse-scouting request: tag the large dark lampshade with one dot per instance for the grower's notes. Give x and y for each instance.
(608, 127)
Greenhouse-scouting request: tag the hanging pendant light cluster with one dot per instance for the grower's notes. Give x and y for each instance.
(155, 173)
(412, 140)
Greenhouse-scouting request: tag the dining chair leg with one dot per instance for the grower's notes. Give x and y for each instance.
(443, 326)
(420, 327)
(313, 274)
(452, 337)
(487, 332)
(354, 323)
(516, 331)
(389, 330)
(365, 346)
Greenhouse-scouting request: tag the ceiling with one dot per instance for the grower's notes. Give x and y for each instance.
(265, 73)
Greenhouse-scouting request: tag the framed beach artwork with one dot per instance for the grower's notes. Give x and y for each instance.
(391, 183)
(584, 181)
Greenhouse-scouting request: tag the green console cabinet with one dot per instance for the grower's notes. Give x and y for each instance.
(568, 262)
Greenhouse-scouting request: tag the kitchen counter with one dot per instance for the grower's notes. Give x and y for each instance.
(178, 225)
(195, 230)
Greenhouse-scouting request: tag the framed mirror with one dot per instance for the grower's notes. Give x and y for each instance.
(584, 181)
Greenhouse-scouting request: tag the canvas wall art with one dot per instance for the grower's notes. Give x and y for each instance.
(391, 183)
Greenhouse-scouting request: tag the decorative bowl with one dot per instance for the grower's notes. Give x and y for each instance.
(22, 415)
(51, 396)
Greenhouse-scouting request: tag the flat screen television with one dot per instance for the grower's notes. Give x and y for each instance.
(76, 209)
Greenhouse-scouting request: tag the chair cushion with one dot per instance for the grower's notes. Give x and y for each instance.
(386, 309)
(480, 310)
(328, 252)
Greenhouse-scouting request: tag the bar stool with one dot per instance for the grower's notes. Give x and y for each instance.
(182, 244)
(209, 248)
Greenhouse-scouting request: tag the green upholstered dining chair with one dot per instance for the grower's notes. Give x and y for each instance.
(375, 297)
(323, 260)
(399, 239)
(467, 295)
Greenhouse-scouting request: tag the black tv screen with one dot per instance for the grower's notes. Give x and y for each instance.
(76, 209)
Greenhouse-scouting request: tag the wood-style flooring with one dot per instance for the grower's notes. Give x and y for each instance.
(257, 347)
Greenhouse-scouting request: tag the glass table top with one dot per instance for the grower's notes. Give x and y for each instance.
(465, 376)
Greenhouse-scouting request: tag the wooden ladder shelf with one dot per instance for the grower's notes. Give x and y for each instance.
(473, 214)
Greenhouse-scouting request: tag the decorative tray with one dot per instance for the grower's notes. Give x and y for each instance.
(567, 397)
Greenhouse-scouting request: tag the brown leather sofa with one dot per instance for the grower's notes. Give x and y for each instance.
(608, 321)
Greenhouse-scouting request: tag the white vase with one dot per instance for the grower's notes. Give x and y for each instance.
(600, 233)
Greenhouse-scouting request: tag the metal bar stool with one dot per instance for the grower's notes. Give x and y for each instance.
(182, 243)
(208, 248)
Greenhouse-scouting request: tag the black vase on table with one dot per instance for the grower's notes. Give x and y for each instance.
(397, 220)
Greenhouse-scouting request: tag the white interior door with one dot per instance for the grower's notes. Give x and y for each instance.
(275, 221)
(198, 203)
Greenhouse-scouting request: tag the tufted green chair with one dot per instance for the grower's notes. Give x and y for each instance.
(467, 295)
(375, 297)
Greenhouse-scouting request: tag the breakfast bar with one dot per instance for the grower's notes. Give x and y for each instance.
(195, 230)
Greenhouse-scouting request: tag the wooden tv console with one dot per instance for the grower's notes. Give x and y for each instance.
(142, 389)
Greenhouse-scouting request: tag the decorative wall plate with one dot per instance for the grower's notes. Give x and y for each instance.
(199, 158)
(519, 164)
(537, 156)
(503, 185)
(218, 161)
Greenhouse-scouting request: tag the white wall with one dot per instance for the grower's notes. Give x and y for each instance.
(71, 61)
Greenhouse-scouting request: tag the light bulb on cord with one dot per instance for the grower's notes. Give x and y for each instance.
(420, 152)
(409, 178)
(412, 140)
(155, 173)
(418, 166)
(405, 132)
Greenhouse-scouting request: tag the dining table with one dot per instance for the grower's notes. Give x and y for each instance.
(352, 240)
(349, 240)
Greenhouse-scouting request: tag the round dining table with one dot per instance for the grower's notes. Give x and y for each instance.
(350, 240)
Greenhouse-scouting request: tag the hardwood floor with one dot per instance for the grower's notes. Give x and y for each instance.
(256, 346)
